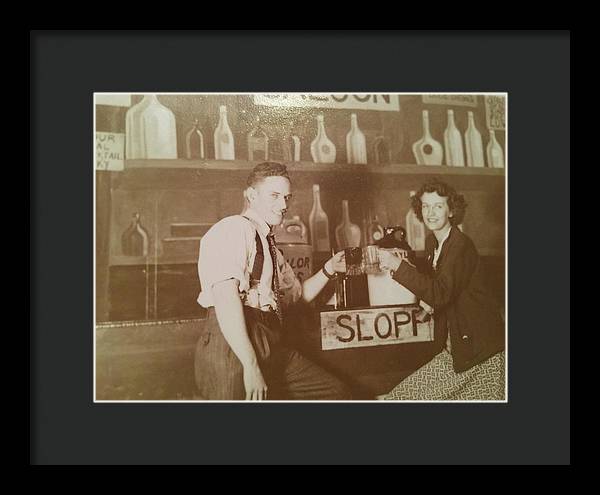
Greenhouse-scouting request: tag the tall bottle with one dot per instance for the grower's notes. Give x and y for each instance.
(135, 143)
(453, 147)
(194, 142)
(318, 223)
(474, 144)
(160, 132)
(322, 148)
(415, 229)
(347, 234)
(134, 241)
(495, 156)
(224, 145)
(427, 150)
(258, 143)
(356, 144)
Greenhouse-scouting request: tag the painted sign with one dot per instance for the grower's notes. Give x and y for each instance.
(110, 151)
(299, 257)
(495, 112)
(113, 100)
(463, 100)
(320, 100)
(375, 326)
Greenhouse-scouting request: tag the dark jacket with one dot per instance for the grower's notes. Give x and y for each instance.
(461, 302)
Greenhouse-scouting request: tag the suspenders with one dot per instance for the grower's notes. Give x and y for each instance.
(259, 259)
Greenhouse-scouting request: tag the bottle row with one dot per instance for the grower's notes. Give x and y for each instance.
(428, 151)
(347, 233)
(150, 133)
(135, 238)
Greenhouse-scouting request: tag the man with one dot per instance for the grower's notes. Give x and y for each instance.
(245, 281)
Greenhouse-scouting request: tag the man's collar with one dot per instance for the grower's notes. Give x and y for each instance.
(261, 225)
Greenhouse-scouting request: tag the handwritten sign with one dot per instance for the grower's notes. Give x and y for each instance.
(110, 150)
(385, 325)
(317, 100)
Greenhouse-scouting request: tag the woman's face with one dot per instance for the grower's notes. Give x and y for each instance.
(435, 210)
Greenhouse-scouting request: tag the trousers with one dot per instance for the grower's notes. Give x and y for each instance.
(288, 374)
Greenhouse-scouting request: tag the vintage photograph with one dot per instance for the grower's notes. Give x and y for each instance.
(300, 247)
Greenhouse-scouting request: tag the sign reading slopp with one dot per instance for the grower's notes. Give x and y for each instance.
(376, 326)
(317, 100)
(110, 151)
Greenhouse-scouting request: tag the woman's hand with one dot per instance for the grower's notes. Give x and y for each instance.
(388, 260)
(337, 263)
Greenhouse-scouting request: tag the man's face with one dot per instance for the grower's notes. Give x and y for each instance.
(269, 198)
(435, 209)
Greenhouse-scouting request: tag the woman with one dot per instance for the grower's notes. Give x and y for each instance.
(467, 322)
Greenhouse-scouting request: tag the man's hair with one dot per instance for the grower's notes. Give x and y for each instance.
(267, 169)
(456, 202)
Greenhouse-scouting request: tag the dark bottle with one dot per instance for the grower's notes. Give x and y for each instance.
(134, 241)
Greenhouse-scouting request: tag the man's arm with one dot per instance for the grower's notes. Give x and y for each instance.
(230, 315)
(315, 284)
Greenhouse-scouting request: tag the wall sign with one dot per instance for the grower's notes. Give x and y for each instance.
(368, 327)
(338, 100)
(110, 151)
(495, 112)
(463, 100)
(113, 100)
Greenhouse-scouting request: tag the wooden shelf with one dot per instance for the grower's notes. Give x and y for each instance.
(179, 259)
(244, 165)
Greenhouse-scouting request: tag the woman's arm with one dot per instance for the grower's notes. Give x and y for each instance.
(437, 290)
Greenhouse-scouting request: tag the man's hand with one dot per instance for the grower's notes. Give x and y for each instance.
(337, 263)
(254, 383)
(388, 260)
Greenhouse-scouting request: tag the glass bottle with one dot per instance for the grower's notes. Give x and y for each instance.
(258, 143)
(347, 234)
(474, 144)
(224, 145)
(495, 156)
(453, 147)
(194, 143)
(415, 229)
(322, 148)
(318, 222)
(135, 144)
(159, 130)
(427, 150)
(356, 145)
(374, 231)
(134, 241)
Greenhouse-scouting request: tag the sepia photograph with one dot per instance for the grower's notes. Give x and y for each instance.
(300, 247)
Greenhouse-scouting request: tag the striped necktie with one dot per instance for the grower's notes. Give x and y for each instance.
(275, 281)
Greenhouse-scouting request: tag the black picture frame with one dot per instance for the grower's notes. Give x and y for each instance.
(67, 427)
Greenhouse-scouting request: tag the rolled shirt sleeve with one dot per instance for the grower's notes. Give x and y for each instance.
(224, 254)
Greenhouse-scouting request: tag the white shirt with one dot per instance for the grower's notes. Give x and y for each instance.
(228, 250)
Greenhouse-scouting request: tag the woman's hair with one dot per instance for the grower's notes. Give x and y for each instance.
(456, 202)
(267, 169)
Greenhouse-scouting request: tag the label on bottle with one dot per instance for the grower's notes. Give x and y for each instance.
(325, 148)
(225, 138)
